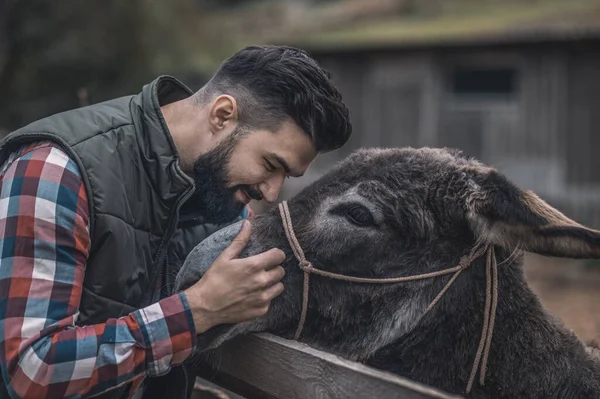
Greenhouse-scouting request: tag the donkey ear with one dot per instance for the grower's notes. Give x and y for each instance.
(505, 215)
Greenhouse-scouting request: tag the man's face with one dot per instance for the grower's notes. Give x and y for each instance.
(249, 166)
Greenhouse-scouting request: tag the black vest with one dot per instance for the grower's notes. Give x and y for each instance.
(135, 188)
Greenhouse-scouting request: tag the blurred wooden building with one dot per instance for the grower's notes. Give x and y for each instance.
(518, 88)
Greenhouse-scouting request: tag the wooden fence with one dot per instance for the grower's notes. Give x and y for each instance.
(268, 367)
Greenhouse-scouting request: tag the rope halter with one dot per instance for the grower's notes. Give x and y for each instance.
(491, 292)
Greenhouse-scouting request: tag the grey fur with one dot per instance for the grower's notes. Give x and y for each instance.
(430, 206)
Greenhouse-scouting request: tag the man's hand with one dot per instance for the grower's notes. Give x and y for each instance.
(234, 290)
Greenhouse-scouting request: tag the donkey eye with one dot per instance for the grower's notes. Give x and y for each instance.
(356, 214)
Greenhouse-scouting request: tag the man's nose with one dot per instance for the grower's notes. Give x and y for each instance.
(271, 188)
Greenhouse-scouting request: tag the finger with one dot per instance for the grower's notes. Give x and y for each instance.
(274, 275)
(272, 292)
(258, 312)
(264, 297)
(239, 242)
(266, 279)
(278, 257)
(266, 260)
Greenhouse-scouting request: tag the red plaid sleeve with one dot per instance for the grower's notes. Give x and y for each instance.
(44, 244)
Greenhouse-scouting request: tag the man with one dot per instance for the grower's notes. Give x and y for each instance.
(99, 207)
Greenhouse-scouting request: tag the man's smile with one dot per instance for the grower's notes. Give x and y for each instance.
(242, 196)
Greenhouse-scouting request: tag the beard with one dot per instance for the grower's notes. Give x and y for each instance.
(213, 196)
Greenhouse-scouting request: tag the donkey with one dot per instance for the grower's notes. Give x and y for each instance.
(384, 213)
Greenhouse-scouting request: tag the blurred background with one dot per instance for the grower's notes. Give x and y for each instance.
(515, 83)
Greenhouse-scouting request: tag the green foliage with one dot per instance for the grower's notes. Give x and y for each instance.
(51, 50)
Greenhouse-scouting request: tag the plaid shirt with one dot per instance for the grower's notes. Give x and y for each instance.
(44, 244)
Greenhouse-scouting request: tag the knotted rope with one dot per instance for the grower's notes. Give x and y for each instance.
(491, 292)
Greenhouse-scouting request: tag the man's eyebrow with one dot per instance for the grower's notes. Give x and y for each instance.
(285, 166)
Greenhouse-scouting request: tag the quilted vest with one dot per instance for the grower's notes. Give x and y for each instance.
(130, 167)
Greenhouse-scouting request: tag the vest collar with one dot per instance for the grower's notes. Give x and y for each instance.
(161, 158)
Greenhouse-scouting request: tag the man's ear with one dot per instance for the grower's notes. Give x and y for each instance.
(503, 214)
(223, 114)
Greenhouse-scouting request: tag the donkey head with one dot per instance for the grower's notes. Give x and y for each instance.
(388, 213)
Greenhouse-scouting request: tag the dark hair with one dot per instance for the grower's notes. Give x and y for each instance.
(274, 83)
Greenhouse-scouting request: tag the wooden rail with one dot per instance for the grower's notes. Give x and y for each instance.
(268, 367)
